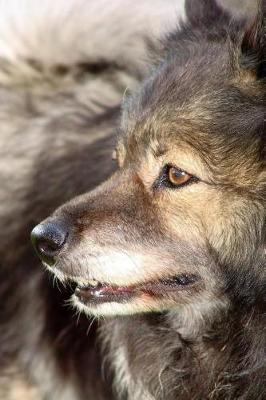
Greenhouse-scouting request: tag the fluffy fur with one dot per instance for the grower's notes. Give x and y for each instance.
(58, 114)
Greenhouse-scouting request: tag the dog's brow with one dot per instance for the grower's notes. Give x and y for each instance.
(159, 151)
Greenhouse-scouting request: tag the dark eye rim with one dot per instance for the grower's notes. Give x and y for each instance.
(163, 180)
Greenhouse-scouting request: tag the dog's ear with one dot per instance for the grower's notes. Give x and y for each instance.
(253, 46)
(205, 14)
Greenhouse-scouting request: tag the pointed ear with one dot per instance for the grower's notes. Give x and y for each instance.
(206, 14)
(253, 47)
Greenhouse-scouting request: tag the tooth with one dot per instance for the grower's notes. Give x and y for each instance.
(81, 282)
(93, 282)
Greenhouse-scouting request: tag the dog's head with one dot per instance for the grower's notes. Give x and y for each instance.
(181, 222)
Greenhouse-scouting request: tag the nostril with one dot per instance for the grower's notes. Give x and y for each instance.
(49, 247)
(48, 239)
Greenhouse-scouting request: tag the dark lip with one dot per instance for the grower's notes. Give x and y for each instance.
(103, 293)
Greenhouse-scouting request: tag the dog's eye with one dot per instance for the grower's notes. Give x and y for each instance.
(177, 177)
(174, 178)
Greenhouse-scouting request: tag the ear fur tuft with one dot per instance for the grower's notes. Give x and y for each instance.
(205, 13)
(253, 46)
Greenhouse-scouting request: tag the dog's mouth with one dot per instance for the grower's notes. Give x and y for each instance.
(95, 292)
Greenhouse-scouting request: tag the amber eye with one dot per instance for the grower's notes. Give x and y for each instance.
(178, 177)
(173, 178)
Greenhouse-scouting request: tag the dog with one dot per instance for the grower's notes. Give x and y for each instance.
(170, 249)
(63, 71)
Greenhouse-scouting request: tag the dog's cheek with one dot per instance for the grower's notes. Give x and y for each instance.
(236, 230)
(182, 214)
(228, 225)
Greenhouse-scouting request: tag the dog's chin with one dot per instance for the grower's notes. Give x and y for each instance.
(108, 299)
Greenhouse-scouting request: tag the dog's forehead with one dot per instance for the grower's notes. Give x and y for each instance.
(200, 103)
(179, 85)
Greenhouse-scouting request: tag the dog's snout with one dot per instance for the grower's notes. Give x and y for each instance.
(48, 239)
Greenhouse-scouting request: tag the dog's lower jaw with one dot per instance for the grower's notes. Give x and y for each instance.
(101, 310)
(132, 307)
(190, 319)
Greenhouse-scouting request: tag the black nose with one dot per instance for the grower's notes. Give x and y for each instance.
(48, 239)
